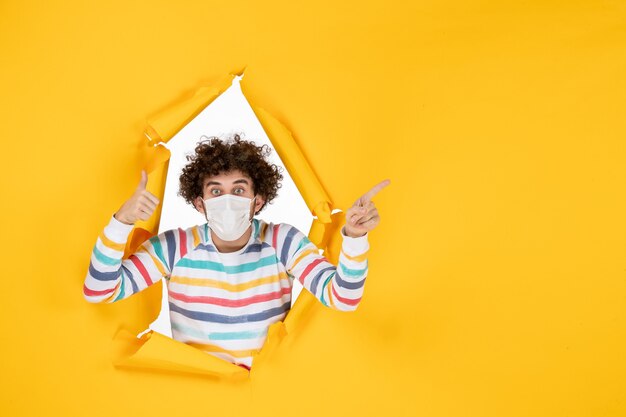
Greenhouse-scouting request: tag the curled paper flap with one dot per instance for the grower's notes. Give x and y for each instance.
(165, 124)
(334, 239)
(303, 176)
(137, 236)
(155, 351)
(317, 234)
(275, 335)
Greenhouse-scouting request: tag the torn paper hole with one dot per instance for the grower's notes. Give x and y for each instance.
(227, 114)
(155, 351)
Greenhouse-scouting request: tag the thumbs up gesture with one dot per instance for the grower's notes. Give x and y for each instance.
(140, 205)
(363, 215)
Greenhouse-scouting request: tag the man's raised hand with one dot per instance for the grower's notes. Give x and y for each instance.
(140, 205)
(363, 216)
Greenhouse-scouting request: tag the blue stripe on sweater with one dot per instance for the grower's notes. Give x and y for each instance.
(171, 247)
(284, 255)
(130, 278)
(207, 247)
(103, 276)
(219, 318)
(318, 276)
(255, 247)
(348, 284)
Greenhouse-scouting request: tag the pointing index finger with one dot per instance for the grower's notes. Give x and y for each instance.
(367, 197)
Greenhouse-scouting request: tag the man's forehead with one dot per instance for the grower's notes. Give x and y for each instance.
(232, 177)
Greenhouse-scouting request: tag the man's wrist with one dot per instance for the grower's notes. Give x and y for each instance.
(352, 235)
(116, 217)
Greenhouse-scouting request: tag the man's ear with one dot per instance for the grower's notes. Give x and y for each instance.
(258, 203)
(199, 204)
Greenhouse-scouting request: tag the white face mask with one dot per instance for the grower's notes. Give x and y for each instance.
(228, 215)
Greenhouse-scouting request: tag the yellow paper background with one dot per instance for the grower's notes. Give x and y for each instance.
(497, 276)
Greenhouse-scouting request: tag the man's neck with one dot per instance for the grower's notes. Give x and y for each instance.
(225, 246)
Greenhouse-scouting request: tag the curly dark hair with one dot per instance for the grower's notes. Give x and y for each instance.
(214, 156)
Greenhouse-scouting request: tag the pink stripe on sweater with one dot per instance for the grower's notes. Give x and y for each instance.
(141, 268)
(230, 303)
(275, 236)
(309, 269)
(92, 293)
(183, 243)
(348, 301)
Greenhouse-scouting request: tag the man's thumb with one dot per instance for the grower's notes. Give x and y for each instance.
(144, 180)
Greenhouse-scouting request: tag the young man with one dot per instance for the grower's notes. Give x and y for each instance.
(230, 278)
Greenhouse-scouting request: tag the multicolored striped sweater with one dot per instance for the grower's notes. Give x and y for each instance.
(224, 303)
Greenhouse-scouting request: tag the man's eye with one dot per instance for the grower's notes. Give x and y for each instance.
(239, 191)
(215, 191)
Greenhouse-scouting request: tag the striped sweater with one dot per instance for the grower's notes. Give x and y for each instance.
(224, 303)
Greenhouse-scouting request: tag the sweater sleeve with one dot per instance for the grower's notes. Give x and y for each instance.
(110, 278)
(338, 287)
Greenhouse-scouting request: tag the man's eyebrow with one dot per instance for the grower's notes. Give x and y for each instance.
(239, 181)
